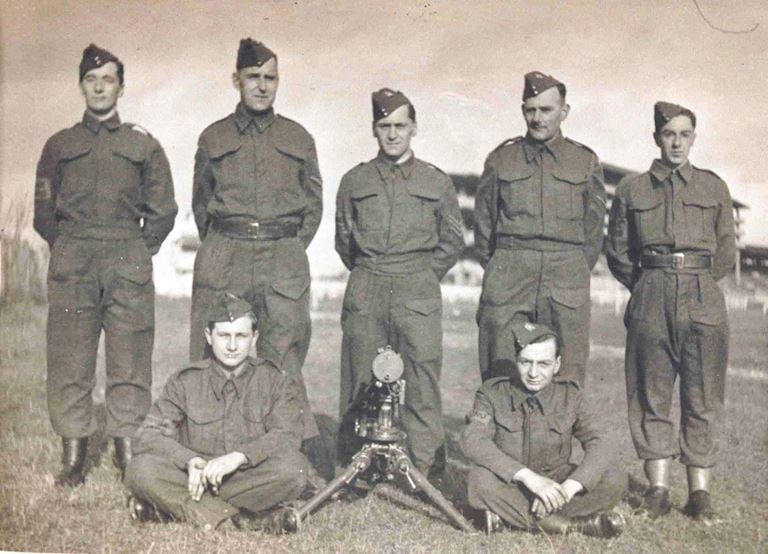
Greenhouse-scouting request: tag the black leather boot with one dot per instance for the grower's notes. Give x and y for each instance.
(604, 525)
(143, 511)
(123, 453)
(73, 462)
(656, 502)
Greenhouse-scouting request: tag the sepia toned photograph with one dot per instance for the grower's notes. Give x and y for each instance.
(435, 276)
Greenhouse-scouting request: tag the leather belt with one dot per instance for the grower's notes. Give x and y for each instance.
(255, 230)
(676, 260)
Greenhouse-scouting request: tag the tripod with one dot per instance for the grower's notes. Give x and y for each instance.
(383, 452)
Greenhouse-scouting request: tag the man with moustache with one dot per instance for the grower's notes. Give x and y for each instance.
(257, 202)
(398, 229)
(104, 203)
(220, 446)
(671, 238)
(538, 230)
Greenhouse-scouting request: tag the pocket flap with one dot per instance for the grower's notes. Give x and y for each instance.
(647, 200)
(424, 306)
(140, 274)
(292, 287)
(708, 315)
(203, 414)
(73, 150)
(574, 176)
(515, 173)
(509, 421)
(364, 192)
(700, 202)
(557, 425)
(289, 148)
(223, 146)
(573, 298)
(132, 152)
(424, 190)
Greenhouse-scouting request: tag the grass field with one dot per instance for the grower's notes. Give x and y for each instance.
(34, 515)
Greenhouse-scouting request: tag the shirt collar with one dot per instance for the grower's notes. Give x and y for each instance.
(219, 380)
(532, 148)
(662, 171)
(542, 399)
(93, 124)
(385, 165)
(244, 118)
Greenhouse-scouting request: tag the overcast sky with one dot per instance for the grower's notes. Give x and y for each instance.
(461, 63)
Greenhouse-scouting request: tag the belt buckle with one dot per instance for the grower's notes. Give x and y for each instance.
(253, 227)
(678, 260)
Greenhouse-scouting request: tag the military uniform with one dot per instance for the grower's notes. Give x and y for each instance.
(104, 203)
(511, 429)
(398, 230)
(202, 413)
(538, 231)
(671, 238)
(257, 202)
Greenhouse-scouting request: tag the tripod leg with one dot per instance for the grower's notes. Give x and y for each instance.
(290, 519)
(406, 467)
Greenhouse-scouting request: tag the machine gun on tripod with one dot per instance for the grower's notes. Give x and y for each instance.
(383, 455)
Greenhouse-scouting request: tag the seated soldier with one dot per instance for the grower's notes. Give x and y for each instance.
(519, 435)
(221, 444)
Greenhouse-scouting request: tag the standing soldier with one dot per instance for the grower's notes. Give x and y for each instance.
(104, 203)
(539, 230)
(257, 202)
(398, 229)
(671, 238)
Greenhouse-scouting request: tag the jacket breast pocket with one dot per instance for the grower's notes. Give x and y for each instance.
(700, 219)
(648, 217)
(557, 442)
(73, 167)
(368, 208)
(227, 172)
(290, 164)
(570, 188)
(254, 411)
(128, 165)
(509, 433)
(204, 426)
(516, 192)
(423, 207)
